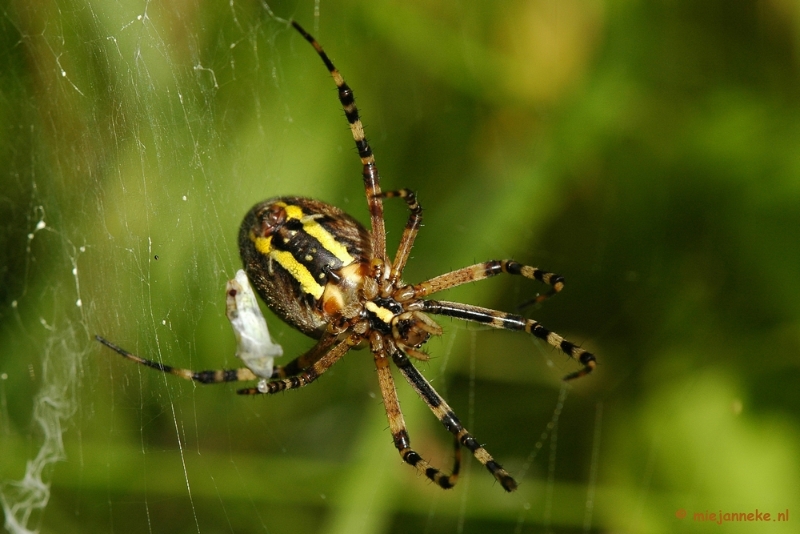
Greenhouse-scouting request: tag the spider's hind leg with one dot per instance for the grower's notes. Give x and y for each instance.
(305, 360)
(320, 358)
(306, 365)
(218, 376)
(372, 179)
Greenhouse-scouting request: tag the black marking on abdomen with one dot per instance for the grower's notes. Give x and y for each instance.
(307, 250)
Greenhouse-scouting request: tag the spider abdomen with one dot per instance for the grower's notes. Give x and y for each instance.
(307, 260)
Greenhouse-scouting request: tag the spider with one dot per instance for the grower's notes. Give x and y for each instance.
(324, 274)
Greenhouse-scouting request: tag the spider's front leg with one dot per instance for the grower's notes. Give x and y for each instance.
(400, 437)
(448, 418)
(508, 321)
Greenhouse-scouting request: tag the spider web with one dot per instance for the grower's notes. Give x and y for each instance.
(647, 151)
(136, 137)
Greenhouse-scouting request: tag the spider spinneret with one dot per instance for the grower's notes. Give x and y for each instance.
(324, 274)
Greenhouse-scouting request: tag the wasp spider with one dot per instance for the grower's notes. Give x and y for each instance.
(325, 274)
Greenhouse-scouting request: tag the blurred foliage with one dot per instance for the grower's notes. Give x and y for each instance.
(647, 151)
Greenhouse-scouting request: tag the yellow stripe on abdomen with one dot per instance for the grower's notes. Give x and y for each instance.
(285, 258)
(298, 271)
(315, 230)
(318, 232)
(263, 244)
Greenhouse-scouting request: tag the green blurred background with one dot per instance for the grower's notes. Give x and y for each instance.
(647, 151)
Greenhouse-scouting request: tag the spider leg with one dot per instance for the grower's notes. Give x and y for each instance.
(488, 269)
(308, 374)
(242, 374)
(372, 180)
(218, 376)
(445, 414)
(409, 233)
(397, 425)
(305, 360)
(508, 321)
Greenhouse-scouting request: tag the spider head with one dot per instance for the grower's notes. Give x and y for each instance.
(413, 328)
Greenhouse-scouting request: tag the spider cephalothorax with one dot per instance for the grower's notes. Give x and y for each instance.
(323, 273)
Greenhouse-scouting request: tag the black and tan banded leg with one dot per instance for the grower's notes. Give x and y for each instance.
(242, 374)
(305, 360)
(372, 180)
(409, 232)
(508, 321)
(218, 376)
(308, 374)
(488, 269)
(397, 425)
(445, 414)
